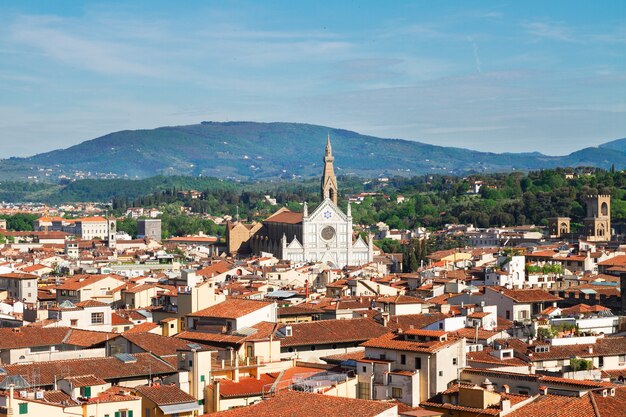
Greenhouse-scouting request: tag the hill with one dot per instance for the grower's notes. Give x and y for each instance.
(249, 150)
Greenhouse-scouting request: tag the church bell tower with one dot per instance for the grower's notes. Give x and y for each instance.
(329, 181)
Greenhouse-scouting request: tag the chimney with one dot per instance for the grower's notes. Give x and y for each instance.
(543, 390)
(590, 350)
(216, 395)
(506, 388)
(10, 402)
(444, 308)
(385, 318)
(505, 405)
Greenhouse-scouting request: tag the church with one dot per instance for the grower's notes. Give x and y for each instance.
(322, 235)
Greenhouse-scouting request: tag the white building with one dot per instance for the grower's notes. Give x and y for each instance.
(325, 235)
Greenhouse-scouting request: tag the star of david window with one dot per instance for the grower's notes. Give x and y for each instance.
(327, 214)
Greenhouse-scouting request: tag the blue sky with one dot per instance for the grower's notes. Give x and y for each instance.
(497, 76)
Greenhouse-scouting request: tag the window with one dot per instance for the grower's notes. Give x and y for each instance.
(440, 373)
(418, 363)
(312, 347)
(365, 369)
(621, 359)
(403, 359)
(453, 361)
(86, 392)
(97, 318)
(23, 408)
(383, 356)
(600, 361)
(396, 392)
(363, 391)
(147, 413)
(74, 322)
(508, 314)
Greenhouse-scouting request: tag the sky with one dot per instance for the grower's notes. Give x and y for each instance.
(499, 76)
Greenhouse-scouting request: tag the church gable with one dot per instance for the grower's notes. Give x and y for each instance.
(294, 244)
(359, 244)
(327, 212)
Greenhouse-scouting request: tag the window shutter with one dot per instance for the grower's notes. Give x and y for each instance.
(117, 414)
(130, 413)
(88, 392)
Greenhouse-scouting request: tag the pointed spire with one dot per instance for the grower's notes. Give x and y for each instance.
(349, 211)
(305, 210)
(329, 148)
(329, 181)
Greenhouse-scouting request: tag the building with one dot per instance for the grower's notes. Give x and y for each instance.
(409, 366)
(166, 400)
(238, 235)
(233, 314)
(20, 286)
(559, 226)
(324, 235)
(85, 228)
(149, 228)
(597, 224)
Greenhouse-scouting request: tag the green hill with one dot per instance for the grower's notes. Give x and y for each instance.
(249, 150)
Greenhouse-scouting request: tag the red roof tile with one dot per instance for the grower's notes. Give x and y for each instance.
(299, 404)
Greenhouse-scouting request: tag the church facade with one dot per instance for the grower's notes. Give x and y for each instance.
(323, 235)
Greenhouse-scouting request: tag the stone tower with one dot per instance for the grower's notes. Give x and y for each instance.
(329, 181)
(598, 220)
(559, 226)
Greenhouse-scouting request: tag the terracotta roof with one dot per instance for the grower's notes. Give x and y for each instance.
(610, 405)
(332, 331)
(557, 406)
(156, 344)
(231, 308)
(85, 381)
(142, 328)
(414, 321)
(299, 404)
(401, 299)
(298, 310)
(397, 342)
(108, 368)
(19, 275)
(92, 303)
(484, 356)
(252, 386)
(81, 281)
(31, 336)
(341, 357)
(58, 397)
(165, 394)
(88, 338)
(286, 216)
(530, 295)
(215, 269)
(118, 320)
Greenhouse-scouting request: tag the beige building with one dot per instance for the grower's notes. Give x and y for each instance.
(409, 366)
(559, 226)
(20, 286)
(598, 221)
(238, 234)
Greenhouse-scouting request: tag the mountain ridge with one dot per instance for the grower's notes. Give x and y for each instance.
(254, 150)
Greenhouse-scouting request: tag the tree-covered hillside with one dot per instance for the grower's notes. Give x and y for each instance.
(249, 150)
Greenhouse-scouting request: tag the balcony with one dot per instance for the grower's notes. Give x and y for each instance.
(235, 363)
